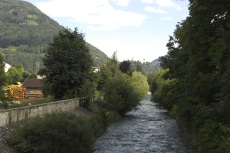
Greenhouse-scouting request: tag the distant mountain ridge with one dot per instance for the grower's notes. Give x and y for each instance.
(26, 31)
(156, 62)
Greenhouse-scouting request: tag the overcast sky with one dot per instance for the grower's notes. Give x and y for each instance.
(136, 29)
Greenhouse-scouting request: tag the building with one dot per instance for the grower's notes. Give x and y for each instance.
(33, 88)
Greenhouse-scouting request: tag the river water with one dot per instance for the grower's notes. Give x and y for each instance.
(147, 129)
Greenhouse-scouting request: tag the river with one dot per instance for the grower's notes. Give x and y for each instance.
(147, 129)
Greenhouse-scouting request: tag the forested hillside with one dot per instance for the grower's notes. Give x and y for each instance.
(195, 86)
(25, 32)
(156, 62)
(146, 67)
(99, 57)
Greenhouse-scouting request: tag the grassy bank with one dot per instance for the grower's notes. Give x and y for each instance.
(61, 131)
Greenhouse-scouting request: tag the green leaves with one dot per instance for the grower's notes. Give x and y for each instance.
(197, 85)
(125, 66)
(2, 71)
(67, 65)
(140, 83)
(120, 95)
(56, 132)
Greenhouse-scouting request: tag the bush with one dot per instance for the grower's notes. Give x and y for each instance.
(140, 83)
(164, 91)
(101, 120)
(121, 95)
(55, 133)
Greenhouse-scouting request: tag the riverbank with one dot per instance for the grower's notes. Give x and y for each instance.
(6, 130)
(119, 100)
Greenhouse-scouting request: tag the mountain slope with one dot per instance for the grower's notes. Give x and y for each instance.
(156, 62)
(25, 32)
(98, 56)
(147, 67)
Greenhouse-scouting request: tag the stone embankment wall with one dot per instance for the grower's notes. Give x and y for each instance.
(22, 113)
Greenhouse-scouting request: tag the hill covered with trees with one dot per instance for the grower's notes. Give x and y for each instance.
(146, 67)
(156, 62)
(25, 32)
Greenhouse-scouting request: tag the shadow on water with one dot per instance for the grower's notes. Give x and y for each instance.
(147, 129)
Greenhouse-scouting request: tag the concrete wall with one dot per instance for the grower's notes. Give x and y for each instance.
(13, 115)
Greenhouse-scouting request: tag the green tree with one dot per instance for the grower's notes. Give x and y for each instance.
(125, 66)
(111, 69)
(198, 77)
(139, 68)
(103, 75)
(113, 65)
(120, 94)
(2, 77)
(88, 89)
(140, 83)
(67, 65)
(20, 68)
(14, 75)
(2, 71)
(5, 96)
(26, 74)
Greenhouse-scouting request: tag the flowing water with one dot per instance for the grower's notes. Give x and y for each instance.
(148, 129)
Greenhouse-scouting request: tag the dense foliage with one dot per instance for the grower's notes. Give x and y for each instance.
(67, 65)
(58, 132)
(197, 86)
(125, 66)
(2, 71)
(17, 74)
(122, 92)
(2, 76)
(140, 83)
(5, 95)
(25, 32)
(156, 62)
(120, 95)
(54, 133)
(146, 67)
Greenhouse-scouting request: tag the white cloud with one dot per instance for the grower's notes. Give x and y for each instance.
(114, 20)
(154, 10)
(168, 3)
(122, 2)
(163, 3)
(147, 1)
(99, 13)
(167, 18)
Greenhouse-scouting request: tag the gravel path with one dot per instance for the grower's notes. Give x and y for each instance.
(4, 133)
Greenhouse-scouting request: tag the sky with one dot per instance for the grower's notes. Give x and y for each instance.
(135, 29)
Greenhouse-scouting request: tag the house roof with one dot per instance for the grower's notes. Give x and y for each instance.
(32, 83)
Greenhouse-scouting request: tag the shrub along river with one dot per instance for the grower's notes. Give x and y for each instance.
(147, 129)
